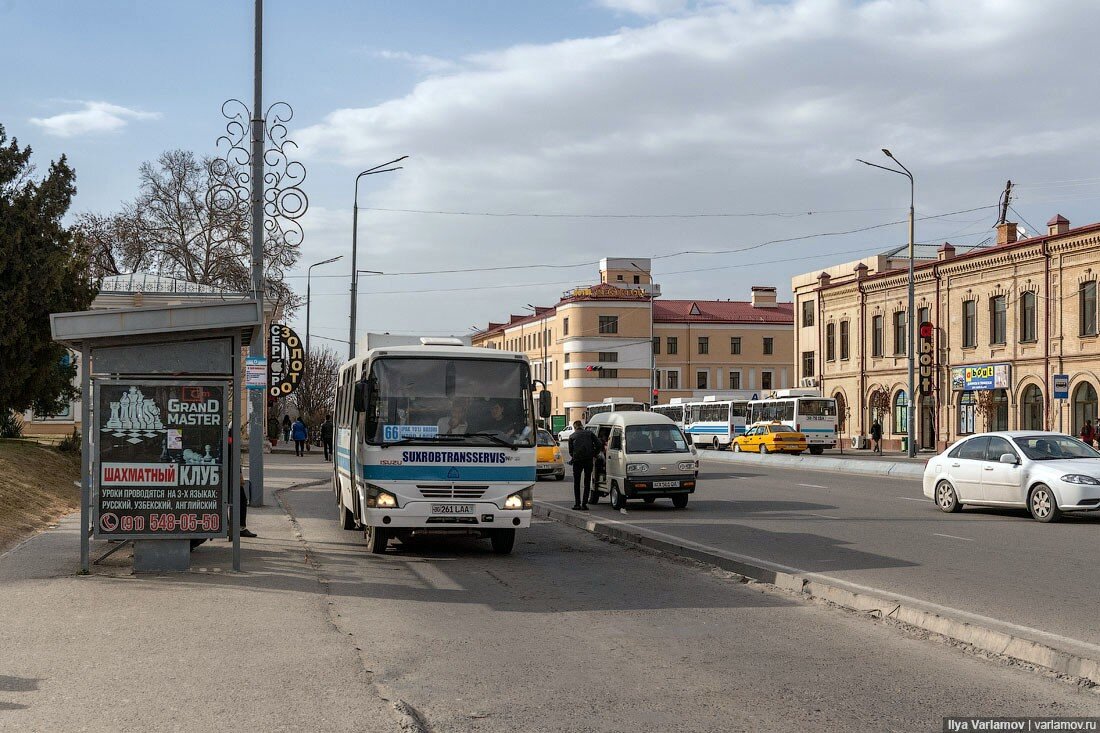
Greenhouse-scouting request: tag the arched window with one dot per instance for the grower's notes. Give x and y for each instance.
(901, 413)
(1031, 408)
(1084, 406)
(999, 417)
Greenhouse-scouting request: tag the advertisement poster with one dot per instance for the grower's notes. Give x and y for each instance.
(980, 377)
(161, 460)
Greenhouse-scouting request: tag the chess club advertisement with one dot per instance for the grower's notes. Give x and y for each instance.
(162, 460)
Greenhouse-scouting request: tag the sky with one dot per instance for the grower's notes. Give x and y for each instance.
(718, 137)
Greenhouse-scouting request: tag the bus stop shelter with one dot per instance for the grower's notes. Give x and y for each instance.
(161, 394)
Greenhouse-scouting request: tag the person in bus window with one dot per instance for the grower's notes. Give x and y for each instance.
(497, 422)
(456, 422)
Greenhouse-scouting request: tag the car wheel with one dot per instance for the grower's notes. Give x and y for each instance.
(764, 449)
(377, 539)
(503, 540)
(618, 501)
(946, 498)
(680, 501)
(1043, 505)
(736, 447)
(347, 517)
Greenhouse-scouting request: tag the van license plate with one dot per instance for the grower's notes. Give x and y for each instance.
(452, 508)
(666, 484)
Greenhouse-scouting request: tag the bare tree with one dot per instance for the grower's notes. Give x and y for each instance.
(317, 388)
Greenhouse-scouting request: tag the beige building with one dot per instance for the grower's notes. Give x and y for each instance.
(1004, 320)
(603, 340)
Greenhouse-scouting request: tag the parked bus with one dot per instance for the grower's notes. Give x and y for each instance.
(714, 423)
(434, 437)
(674, 410)
(802, 410)
(614, 404)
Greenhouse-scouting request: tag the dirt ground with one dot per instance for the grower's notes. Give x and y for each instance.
(36, 488)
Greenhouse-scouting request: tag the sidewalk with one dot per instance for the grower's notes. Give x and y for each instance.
(207, 649)
(833, 461)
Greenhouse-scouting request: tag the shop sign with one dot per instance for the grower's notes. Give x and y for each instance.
(980, 377)
(926, 359)
(286, 360)
(603, 290)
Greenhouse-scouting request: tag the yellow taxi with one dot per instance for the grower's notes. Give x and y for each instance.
(549, 458)
(770, 438)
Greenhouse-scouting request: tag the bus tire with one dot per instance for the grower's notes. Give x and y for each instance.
(816, 450)
(503, 540)
(347, 518)
(377, 539)
(715, 444)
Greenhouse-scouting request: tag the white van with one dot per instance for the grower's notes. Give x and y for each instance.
(648, 458)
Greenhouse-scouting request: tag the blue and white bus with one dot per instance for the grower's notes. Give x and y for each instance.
(674, 410)
(436, 437)
(714, 423)
(614, 404)
(805, 411)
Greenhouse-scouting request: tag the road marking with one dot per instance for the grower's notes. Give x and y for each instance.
(826, 516)
(433, 576)
(909, 498)
(813, 486)
(953, 537)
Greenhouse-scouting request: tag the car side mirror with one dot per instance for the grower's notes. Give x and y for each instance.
(1009, 458)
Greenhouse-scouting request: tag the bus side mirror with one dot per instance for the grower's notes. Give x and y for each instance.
(545, 407)
(359, 403)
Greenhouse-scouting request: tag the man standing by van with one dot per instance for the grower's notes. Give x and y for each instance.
(583, 447)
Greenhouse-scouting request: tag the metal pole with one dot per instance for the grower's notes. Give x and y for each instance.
(912, 325)
(87, 420)
(354, 272)
(257, 345)
(234, 478)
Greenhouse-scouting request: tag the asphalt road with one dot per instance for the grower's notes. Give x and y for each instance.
(571, 633)
(882, 533)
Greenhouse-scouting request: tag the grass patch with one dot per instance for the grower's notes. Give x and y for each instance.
(36, 488)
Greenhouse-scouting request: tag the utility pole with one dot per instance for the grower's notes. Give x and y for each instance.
(257, 346)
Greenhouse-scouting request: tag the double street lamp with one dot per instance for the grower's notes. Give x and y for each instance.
(910, 321)
(381, 168)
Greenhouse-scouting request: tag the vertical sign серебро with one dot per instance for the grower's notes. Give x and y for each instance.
(161, 460)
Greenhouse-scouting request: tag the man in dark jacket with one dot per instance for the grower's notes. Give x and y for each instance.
(876, 436)
(326, 436)
(583, 448)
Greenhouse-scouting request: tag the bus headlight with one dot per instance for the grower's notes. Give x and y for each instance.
(378, 498)
(686, 465)
(519, 500)
(637, 468)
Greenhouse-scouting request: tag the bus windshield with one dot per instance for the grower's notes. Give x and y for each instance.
(432, 399)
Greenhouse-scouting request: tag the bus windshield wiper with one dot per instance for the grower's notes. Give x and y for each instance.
(491, 436)
(422, 438)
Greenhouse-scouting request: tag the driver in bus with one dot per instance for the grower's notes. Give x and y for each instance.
(507, 428)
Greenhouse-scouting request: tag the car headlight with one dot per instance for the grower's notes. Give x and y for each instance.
(378, 498)
(519, 500)
(557, 455)
(637, 468)
(1080, 478)
(686, 465)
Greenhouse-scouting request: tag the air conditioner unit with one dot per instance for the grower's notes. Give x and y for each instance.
(807, 382)
(859, 442)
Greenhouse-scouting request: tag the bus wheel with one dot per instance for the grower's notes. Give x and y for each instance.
(715, 444)
(816, 450)
(377, 539)
(347, 518)
(503, 540)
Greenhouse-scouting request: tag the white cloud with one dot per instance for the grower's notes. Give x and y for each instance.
(94, 118)
(422, 62)
(726, 107)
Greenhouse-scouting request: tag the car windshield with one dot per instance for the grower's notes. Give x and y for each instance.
(655, 439)
(432, 399)
(1054, 447)
(545, 438)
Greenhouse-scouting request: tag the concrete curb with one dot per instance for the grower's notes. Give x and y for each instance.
(830, 464)
(986, 639)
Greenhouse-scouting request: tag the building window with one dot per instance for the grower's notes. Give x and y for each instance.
(609, 324)
(735, 380)
(830, 342)
(924, 315)
(901, 413)
(704, 344)
(656, 344)
(673, 380)
(637, 279)
(1028, 330)
(619, 278)
(970, 323)
(735, 345)
(1084, 406)
(876, 336)
(1088, 308)
(901, 339)
(768, 345)
(608, 356)
(843, 340)
(565, 357)
(967, 404)
(807, 313)
(701, 380)
(765, 380)
(998, 320)
(807, 363)
(671, 345)
(565, 327)
(608, 373)
(1031, 408)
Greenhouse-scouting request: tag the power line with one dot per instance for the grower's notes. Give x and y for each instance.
(695, 215)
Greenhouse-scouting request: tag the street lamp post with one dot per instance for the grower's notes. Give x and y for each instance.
(910, 323)
(542, 339)
(309, 273)
(382, 168)
(652, 353)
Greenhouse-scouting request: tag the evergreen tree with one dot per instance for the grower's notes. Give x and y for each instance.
(41, 272)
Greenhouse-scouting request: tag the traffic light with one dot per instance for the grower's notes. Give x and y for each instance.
(591, 368)
(656, 394)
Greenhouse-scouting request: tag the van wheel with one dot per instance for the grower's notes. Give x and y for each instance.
(1043, 505)
(377, 539)
(347, 518)
(618, 501)
(503, 540)
(680, 501)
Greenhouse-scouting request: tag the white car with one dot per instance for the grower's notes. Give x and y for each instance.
(1047, 473)
(563, 436)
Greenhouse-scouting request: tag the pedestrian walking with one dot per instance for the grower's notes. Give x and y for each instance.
(273, 429)
(583, 448)
(286, 428)
(876, 436)
(1088, 433)
(326, 436)
(300, 433)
